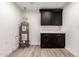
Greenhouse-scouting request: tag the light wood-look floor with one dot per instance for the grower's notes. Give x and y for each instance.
(36, 51)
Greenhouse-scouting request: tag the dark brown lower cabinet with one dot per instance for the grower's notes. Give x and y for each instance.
(52, 40)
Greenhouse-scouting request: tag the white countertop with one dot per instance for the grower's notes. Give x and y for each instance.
(52, 32)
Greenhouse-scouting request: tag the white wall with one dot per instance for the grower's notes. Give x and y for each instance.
(71, 27)
(9, 22)
(34, 27)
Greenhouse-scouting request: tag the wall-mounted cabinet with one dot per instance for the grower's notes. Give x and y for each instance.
(51, 17)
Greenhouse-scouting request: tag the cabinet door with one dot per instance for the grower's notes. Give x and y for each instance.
(57, 18)
(53, 41)
(46, 17)
(61, 41)
(44, 40)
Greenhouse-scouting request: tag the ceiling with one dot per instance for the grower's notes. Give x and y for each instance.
(38, 5)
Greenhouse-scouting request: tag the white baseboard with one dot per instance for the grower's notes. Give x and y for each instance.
(34, 43)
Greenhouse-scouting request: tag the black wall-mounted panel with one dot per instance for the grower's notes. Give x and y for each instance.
(51, 17)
